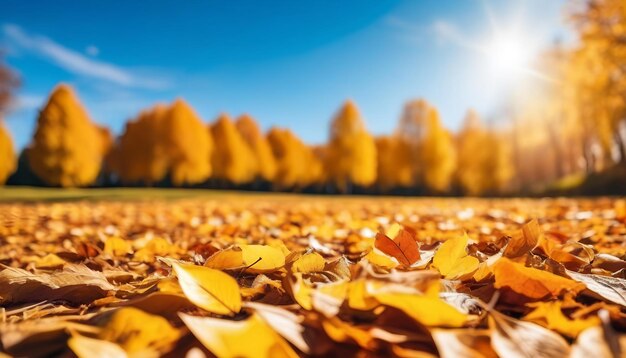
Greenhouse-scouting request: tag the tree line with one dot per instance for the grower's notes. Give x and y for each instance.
(169, 145)
(568, 125)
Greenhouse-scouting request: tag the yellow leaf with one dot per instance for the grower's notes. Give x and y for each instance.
(139, 332)
(251, 338)
(226, 259)
(262, 258)
(209, 289)
(452, 260)
(116, 246)
(158, 246)
(343, 332)
(85, 347)
(49, 261)
(427, 309)
(359, 297)
(380, 260)
(301, 292)
(549, 314)
(311, 262)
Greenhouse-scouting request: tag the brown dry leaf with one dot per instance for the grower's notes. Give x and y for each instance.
(75, 284)
(530, 282)
(403, 247)
(452, 260)
(518, 339)
(609, 288)
(598, 343)
(209, 289)
(470, 343)
(251, 337)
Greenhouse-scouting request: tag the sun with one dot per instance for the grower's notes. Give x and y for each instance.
(508, 55)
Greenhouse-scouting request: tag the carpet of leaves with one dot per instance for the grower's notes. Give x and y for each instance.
(288, 276)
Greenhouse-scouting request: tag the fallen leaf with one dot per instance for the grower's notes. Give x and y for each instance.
(470, 343)
(452, 260)
(609, 288)
(525, 240)
(137, 332)
(75, 283)
(518, 339)
(252, 337)
(403, 247)
(307, 263)
(85, 347)
(116, 246)
(209, 289)
(262, 258)
(550, 315)
(530, 282)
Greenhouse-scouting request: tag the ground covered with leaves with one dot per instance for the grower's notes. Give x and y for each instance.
(287, 276)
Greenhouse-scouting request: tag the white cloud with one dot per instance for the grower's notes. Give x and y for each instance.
(76, 62)
(26, 102)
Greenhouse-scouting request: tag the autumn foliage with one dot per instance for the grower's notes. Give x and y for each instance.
(67, 148)
(249, 276)
(351, 150)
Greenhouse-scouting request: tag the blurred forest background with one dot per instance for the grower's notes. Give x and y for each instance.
(566, 135)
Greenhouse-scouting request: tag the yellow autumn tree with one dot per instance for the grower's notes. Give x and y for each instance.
(351, 150)
(484, 162)
(8, 160)
(232, 159)
(429, 144)
(140, 155)
(297, 165)
(265, 162)
(188, 144)
(67, 149)
(394, 168)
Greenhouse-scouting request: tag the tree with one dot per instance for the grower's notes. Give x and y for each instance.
(8, 160)
(484, 163)
(429, 144)
(265, 162)
(394, 163)
(140, 155)
(188, 145)
(351, 150)
(298, 165)
(67, 148)
(232, 159)
(601, 26)
(164, 141)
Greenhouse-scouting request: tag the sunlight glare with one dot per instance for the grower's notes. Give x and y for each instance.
(508, 56)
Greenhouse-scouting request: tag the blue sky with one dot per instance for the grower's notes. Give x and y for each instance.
(287, 63)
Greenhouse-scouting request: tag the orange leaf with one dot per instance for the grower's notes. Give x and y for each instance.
(525, 240)
(532, 283)
(403, 247)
